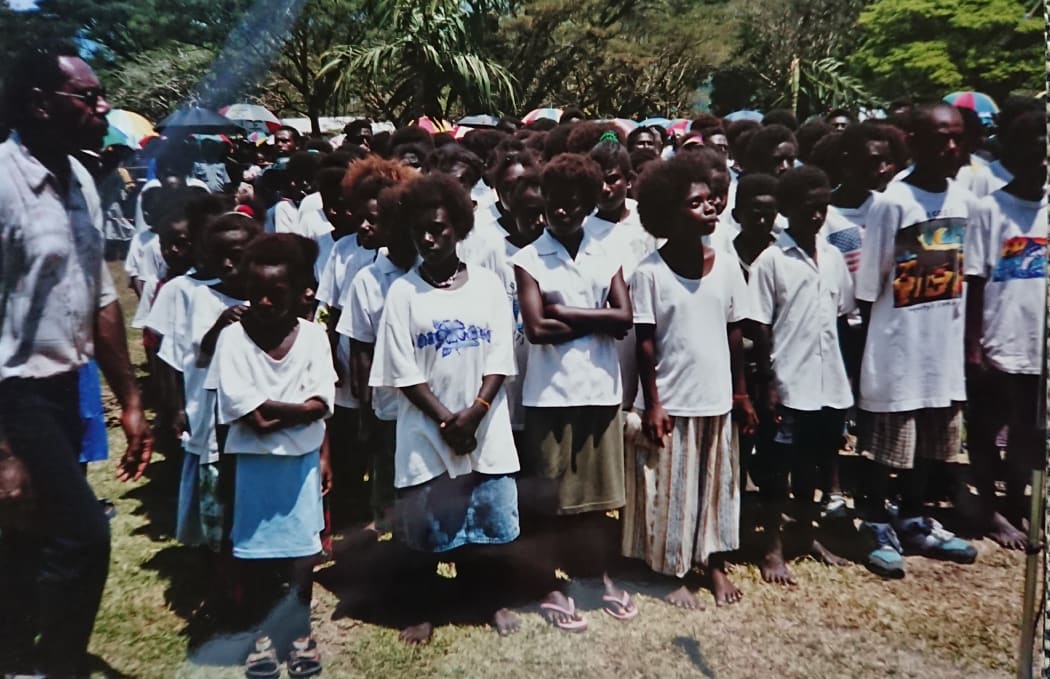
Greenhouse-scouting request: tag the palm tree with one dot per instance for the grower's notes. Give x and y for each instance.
(429, 59)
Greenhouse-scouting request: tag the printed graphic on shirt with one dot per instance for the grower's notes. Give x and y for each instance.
(453, 335)
(848, 241)
(928, 262)
(1021, 257)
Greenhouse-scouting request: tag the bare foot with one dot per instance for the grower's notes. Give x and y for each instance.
(1005, 534)
(506, 622)
(725, 591)
(826, 556)
(774, 570)
(417, 635)
(683, 598)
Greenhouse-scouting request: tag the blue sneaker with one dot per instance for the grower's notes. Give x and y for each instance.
(927, 537)
(885, 558)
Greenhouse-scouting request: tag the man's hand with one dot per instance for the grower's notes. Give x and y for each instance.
(657, 424)
(744, 414)
(231, 315)
(326, 475)
(140, 444)
(14, 477)
(179, 424)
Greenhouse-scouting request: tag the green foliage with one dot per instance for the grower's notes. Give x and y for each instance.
(927, 48)
(426, 59)
(772, 34)
(156, 81)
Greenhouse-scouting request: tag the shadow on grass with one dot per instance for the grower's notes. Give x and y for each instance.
(691, 648)
(100, 666)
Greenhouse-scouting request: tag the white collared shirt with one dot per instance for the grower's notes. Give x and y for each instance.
(802, 300)
(53, 279)
(584, 371)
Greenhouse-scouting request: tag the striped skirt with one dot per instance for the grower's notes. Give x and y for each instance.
(683, 499)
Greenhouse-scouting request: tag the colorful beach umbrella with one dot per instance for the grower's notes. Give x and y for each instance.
(624, 125)
(679, 126)
(979, 102)
(744, 114)
(656, 122)
(432, 126)
(252, 117)
(537, 113)
(127, 128)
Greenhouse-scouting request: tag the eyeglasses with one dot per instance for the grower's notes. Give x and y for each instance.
(90, 97)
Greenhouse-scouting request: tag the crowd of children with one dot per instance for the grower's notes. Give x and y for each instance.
(521, 334)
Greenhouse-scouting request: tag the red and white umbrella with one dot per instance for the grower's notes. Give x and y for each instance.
(252, 117)
(548, 113)
(433, 126)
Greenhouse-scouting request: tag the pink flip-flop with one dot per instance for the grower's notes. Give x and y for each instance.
(577, 624)
(621, 608)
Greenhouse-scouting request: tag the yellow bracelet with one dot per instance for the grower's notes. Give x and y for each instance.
(483, 402)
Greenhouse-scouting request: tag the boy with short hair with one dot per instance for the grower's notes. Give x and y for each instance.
(801, 292)
(910, 285)
(1005, 267)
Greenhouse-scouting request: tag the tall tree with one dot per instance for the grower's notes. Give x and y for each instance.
(426, 58)
(927, 48)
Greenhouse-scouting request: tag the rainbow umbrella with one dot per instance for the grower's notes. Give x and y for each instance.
(432, 126)
(548, 113)
(745, 114)
(252, 117)
(979, 102)
(624, 125)
(115, 137)
(679, 126)
(128, 128)
(258, 138)
(656, 122)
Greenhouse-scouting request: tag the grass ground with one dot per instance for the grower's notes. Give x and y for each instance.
(942, 620)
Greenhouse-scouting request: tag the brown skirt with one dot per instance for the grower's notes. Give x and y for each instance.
(683, 499)
(571, 460)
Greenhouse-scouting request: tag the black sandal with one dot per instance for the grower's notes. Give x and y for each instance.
(304, 660)
(262, 663)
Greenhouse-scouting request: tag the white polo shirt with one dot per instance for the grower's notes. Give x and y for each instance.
(584, 371)
(802, 300)
(53, 279)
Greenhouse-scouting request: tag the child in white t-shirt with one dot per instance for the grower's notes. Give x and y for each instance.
(1005, 265)
(352, 212)
(910, 285)
(801, 292)
(445, 341)
(683, 489)
(201, 517)
(272, 373)
(363, 303)
(575, 305)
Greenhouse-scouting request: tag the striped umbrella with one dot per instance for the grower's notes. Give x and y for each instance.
(128, 128)
(656, 122)
(252, 117)
(979, 102)
(548, 113)
(624, 125)
(679, 126)
(745, 114)
(432, 126)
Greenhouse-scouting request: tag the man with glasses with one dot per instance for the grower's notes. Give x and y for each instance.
(58, 309)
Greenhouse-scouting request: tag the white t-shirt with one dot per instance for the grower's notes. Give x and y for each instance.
(499, 262)
(448, 339)
(858, 215)
(169, 317)
(485, 238)
(584, 371)
(144, 259)
(311, 202)
(206, 305)
(993, 177)
(627, 239)
(244, 377)
(802, 300)
(1006, 245)
(362, 311)
(142, 309)
(911, 269)
(346, 259)
(693, 376)
(846, 235)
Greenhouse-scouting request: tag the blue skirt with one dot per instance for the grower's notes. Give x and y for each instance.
(94, 446)
(444, 513)
(277, 510)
